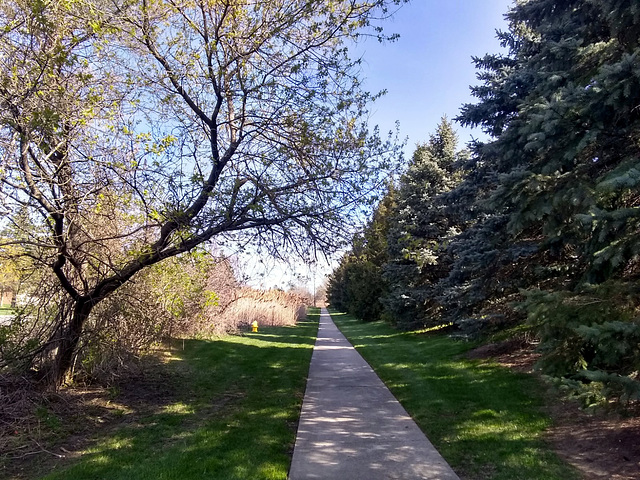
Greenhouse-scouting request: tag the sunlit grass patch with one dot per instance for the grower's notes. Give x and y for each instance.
(179, 408)
(239, 403)
(484, 419)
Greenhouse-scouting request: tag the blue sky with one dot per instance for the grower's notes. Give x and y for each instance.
(427, 73)
(428, 70)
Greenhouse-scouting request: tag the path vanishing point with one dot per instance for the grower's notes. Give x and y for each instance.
(352, 427)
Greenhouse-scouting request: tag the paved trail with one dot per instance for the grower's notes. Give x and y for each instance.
(352, 427)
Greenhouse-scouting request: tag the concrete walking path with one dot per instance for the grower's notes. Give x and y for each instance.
(352, 427)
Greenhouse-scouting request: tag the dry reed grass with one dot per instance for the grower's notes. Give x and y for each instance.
(269, 308)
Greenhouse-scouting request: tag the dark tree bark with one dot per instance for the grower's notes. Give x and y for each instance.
(68, 342)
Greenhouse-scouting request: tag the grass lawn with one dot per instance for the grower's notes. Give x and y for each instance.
(235, 415)
(6, 311)
(485, 420)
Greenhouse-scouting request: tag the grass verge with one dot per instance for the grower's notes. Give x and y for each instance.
(485, 420)
(234, 415)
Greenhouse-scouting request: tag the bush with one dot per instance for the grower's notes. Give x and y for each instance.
(166, 300)
(191, 295)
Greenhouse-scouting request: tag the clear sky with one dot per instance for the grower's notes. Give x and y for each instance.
(428, 70)
(427, 73)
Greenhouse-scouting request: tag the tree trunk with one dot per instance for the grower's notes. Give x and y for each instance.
(69, 338)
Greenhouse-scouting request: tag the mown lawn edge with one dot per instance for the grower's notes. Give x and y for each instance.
(485, 420)
(235, 415)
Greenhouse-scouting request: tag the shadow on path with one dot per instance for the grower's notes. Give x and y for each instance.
(352, 427)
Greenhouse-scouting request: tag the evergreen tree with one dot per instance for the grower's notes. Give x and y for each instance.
(420, 230)
(569, 157)
(337, 286)
(560, 180)
(357, 285)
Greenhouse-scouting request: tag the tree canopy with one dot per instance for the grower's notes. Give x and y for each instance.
(134, 131)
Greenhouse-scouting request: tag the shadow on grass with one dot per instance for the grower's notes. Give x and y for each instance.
(232, 413)
(284, 335)
(485, 420)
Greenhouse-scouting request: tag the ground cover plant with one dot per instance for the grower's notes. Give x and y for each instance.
(485, 420)
(224, 408)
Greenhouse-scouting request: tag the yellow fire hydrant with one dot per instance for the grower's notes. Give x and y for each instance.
(254, 326)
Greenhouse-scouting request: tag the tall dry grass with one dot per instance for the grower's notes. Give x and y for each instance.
(269, 308)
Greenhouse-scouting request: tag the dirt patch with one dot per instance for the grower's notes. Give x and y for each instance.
(601, 445)
(517, 354)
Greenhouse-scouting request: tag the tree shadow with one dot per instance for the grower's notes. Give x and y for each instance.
(224, 408)
(485, 420)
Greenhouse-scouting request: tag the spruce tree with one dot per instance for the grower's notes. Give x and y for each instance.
(561, 179)
(420, 231)
(357, 285)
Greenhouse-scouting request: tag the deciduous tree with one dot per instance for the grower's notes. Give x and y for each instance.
(134, 131)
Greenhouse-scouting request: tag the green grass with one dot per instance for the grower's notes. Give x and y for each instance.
(485, 420)
(235, 417)
(6, 311)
